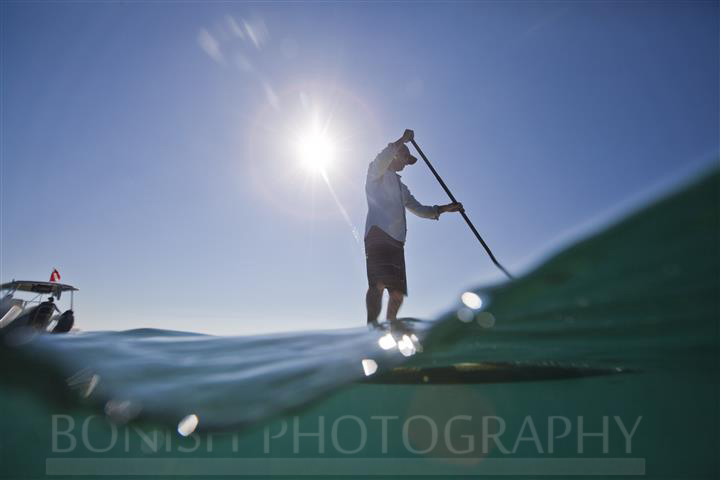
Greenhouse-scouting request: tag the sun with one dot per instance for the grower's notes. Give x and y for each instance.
(316, 149)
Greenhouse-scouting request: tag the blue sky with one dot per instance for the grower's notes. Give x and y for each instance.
(149, 149)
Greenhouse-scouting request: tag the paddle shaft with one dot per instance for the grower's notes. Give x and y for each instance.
(462, 212)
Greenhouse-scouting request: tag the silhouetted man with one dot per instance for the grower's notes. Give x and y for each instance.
(385, 227)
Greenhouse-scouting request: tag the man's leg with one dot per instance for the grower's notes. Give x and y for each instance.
(396, 300)
(373, 302)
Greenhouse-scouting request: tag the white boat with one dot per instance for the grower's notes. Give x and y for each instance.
(40, 312)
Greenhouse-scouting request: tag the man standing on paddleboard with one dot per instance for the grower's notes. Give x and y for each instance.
(385, 227)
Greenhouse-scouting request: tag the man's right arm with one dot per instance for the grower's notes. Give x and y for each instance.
(382, 161)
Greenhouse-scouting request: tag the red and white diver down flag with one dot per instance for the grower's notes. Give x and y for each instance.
(55, 275)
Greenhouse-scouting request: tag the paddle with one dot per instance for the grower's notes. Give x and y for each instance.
(462, 212)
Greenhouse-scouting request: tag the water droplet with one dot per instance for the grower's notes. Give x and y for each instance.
(416, 342)
(465, 315)
(386, 342)
(369, 366)
(485, 319)
(406, 347)
(188, 425)
(471, 300)
(94, 380)
(121, 411)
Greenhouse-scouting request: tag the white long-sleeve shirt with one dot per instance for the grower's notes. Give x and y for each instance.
(388, 197)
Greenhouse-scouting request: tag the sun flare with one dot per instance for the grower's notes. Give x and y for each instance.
(316, 149)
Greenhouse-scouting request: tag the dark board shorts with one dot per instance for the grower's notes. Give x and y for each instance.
(385, 258)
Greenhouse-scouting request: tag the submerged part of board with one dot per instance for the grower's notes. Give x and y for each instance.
(490, 373)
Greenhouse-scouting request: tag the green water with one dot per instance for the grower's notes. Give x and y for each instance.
(632, 310)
